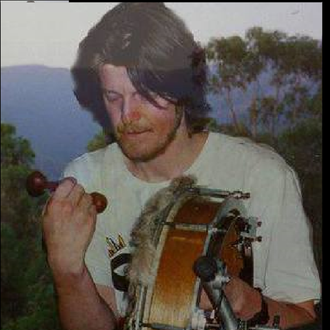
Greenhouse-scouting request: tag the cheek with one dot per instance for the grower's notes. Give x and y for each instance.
(165, 123)
(114, 116)
(161, 119)
(165, 120)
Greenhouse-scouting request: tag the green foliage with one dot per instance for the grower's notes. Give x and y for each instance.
(100, 140)
(302, 148)
(14, 150)
(315, 104)
(294, 66)
(27, 300)
(231, 57)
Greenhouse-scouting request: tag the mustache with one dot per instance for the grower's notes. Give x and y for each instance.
(133, 127)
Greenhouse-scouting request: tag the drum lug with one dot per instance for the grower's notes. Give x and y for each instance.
(198, 320)
(248, 229)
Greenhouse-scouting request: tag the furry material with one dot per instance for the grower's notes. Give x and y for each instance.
(142, 269)
(142, 236)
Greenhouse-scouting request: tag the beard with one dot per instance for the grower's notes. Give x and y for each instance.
(148, 147)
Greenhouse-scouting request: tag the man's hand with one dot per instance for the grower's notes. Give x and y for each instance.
(244, 300)
(68, 225)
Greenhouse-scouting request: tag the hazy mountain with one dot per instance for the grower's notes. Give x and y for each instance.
(39, 101)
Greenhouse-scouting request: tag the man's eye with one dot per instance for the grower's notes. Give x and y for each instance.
(112, 98)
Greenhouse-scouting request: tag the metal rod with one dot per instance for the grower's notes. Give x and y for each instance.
(199, 227)
(219, 193)
(160, 326)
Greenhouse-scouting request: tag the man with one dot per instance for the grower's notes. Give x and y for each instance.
(142, 75)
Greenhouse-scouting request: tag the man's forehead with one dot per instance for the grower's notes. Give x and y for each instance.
(115, 78)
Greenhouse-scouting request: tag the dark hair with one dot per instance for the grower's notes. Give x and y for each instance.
(160, 55)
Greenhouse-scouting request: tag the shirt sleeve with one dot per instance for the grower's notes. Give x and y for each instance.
(285, 257)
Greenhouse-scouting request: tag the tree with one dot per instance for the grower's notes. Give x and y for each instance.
(279, 75)
(265, 50)
(302, 149)
(230, 56)
(27, 297)
(98, 141)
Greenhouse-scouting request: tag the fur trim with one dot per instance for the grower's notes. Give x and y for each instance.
(144, 229)
(142, 269)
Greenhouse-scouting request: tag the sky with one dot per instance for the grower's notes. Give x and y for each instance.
(48, 32)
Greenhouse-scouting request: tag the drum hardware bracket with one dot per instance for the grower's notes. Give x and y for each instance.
(212, 326)
(187, 226)
(198, 320)
(160, 326)
(137, 322)
(263, 327)
(250, 233)
(199, 227)
(218, 192)
(274, 326)
(213, 275)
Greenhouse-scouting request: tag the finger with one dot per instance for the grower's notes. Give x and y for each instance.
(86, 205)
(205, 301)
(92, 210)
(86, 202)
(76, 194)
(64, 188)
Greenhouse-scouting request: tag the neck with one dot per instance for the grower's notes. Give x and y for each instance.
(179, 155)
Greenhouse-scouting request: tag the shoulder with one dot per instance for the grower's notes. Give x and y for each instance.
(249, 154)
(90, 164)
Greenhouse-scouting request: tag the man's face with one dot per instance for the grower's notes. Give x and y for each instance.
(143, 131)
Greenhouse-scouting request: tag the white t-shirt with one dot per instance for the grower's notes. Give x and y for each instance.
(284, 266)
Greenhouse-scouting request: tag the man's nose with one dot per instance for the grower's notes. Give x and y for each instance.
(131, 111)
